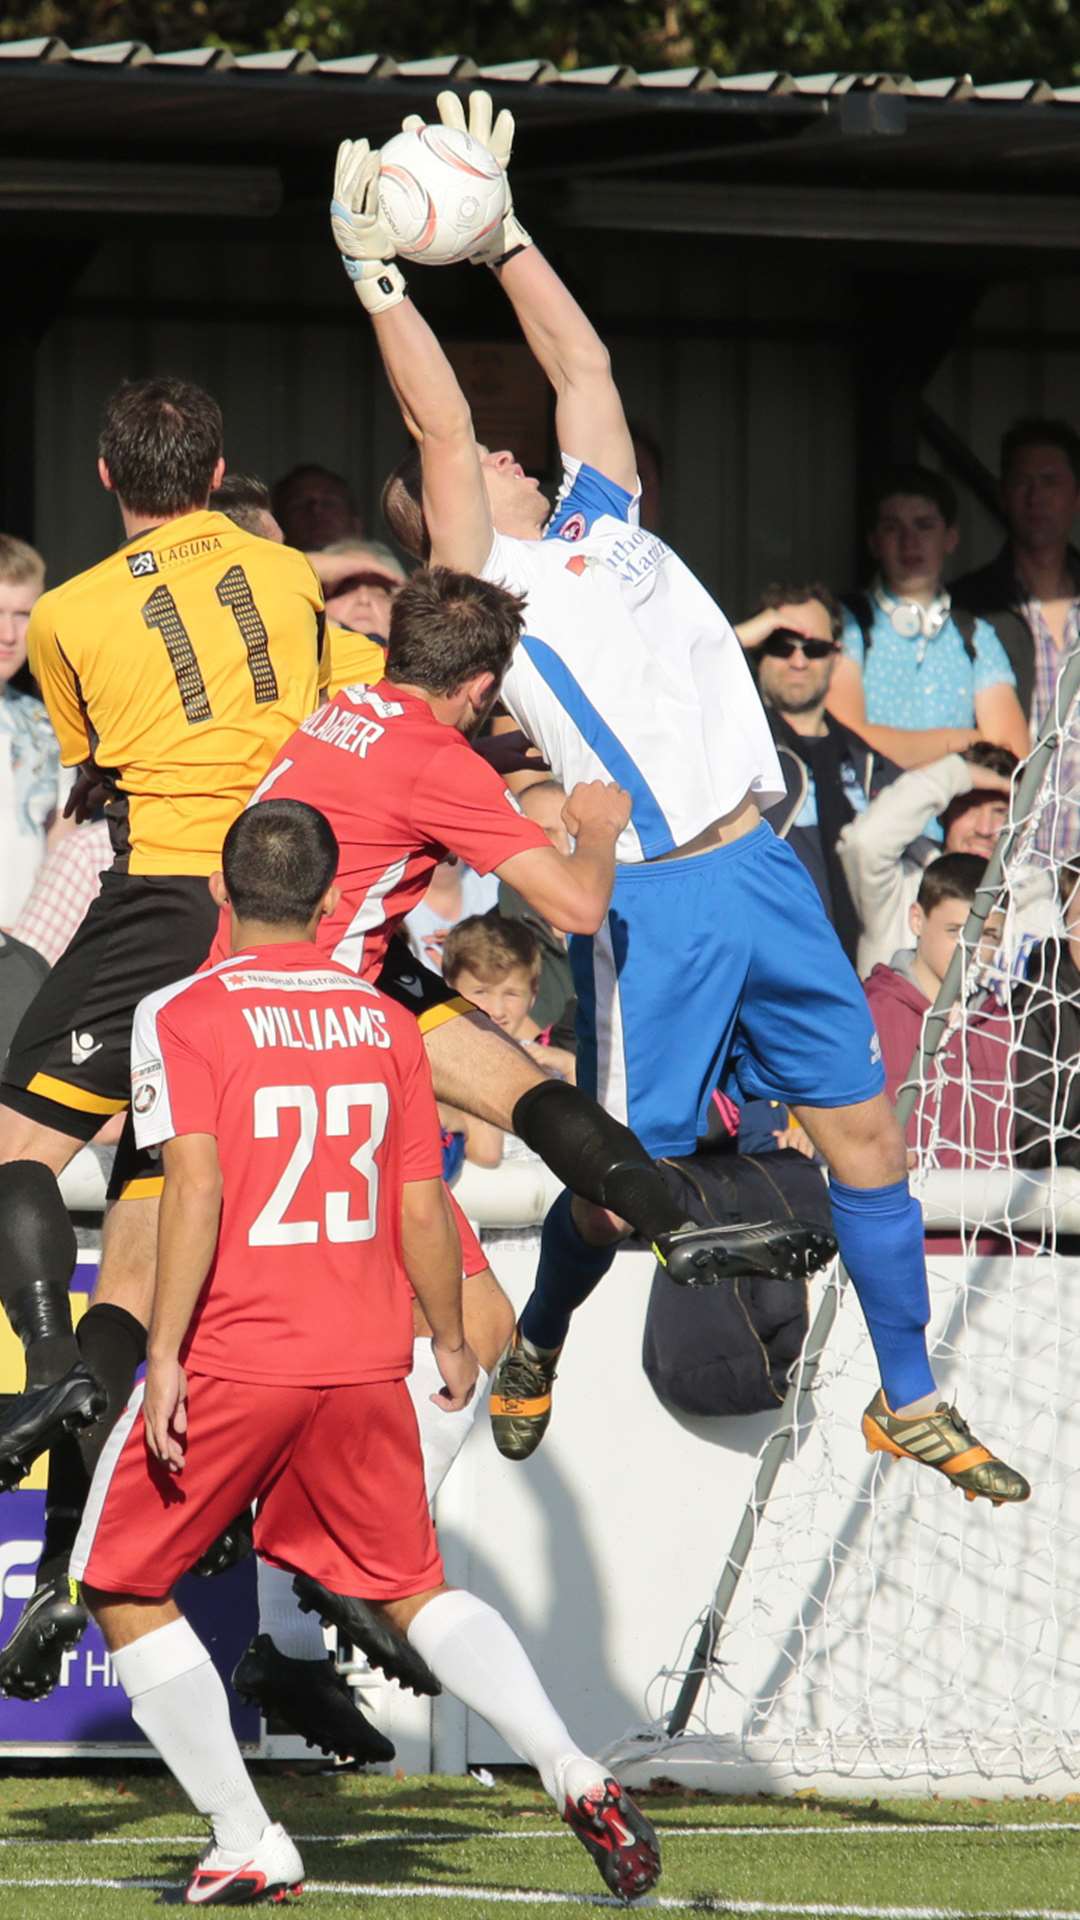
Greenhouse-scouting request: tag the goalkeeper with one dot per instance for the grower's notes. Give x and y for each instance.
(628, 671)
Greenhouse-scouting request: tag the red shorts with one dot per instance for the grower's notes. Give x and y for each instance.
(337, 1473)
(473, 1257)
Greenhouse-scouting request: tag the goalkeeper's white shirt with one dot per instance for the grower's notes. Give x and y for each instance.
(627, 669)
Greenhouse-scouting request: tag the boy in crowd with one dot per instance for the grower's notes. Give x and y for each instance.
(919, 680)
(885, 850)
(495, 963)
(963, 1117)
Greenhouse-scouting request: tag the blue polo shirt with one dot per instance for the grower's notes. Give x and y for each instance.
(920, 683)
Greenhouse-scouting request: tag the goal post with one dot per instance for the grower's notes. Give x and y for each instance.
(867, 1626)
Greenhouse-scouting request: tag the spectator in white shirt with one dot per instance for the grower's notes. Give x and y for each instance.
(32, 782)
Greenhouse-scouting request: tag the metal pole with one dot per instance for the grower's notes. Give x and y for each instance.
(1030, 782)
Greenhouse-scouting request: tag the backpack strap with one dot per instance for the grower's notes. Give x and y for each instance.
(858, 605)
(964, 622)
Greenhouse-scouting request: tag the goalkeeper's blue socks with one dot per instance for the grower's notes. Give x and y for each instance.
(879, 1231)
(568, 1271)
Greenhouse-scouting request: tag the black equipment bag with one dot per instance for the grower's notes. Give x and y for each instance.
(730, 1349)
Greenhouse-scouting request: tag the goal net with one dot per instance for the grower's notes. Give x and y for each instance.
(883, 1634)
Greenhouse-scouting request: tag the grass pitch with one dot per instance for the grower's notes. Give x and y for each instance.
(105, 1846)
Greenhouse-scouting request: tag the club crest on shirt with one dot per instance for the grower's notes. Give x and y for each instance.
(141, 563)
(146, 1085)
(574, 527)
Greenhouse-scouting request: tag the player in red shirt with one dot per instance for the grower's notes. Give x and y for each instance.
(391, 767)
(303, 1184)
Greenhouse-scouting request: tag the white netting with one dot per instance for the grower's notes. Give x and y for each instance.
(885, 1631)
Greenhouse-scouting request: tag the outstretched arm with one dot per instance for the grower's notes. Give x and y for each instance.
(589, 417)
(425, 385)
(437, 415)
(589, 420)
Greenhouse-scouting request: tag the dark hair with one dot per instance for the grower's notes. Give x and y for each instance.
(983, 753)
(782, 593)
(490, 945)
(446, 627)
(1033, 432)
(923, 482)
(161, 440)
(244, 498)
(402, 503)
(279, 858)
(954, 876)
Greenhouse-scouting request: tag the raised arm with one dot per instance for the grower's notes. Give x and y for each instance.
(426, 388)
(589, 418)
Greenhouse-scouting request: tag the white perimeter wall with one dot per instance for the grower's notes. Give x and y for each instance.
(951, 1616)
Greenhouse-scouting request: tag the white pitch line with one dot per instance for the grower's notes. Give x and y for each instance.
(517, 1834)
(702, 1903)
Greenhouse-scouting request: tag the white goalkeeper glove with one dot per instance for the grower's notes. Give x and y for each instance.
(509, 236)
(362, 237)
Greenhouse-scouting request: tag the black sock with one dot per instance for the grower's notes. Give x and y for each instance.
(596, 1156)
(37, 1255)
(113, 1345)
(68, 1486)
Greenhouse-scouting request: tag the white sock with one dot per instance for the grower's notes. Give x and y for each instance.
(299, 1635)
(442, 1435)
(478, 1657)
(178, 1700)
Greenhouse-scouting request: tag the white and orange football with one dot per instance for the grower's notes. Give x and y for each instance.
(440, 193)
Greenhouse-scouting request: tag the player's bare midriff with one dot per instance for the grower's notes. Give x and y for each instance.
(720, 833)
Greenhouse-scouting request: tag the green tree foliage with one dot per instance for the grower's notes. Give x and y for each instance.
(993, 39)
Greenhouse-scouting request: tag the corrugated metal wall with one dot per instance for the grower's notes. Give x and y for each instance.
(744, 375)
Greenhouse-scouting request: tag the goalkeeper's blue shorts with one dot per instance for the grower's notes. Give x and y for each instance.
(720, 970)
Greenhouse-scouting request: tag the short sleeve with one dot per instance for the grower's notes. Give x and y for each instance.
(992, 667)
(59, 685)
(460, 803)
(851, 640)
(173, 1084)
(586, 494)
(421, 1145)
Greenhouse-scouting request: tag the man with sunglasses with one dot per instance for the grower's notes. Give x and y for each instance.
(830, 774)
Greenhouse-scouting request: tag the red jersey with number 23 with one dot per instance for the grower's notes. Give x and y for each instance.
(401, 791)
(317, 1090)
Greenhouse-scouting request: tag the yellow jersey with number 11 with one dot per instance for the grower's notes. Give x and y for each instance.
(181, 664)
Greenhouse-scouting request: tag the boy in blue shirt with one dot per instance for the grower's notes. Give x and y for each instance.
(917, 679)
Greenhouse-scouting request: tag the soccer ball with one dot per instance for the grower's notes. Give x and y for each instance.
(440, 193)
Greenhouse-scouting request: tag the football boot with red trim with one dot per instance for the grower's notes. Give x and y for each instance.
(270, 1870)
(617, 1836)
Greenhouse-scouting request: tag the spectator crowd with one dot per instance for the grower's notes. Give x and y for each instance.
(901, 711)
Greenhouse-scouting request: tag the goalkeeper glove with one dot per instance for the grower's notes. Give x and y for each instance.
(362, 237)
(509, 236)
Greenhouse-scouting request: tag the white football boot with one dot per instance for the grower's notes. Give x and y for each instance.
(269, 1871)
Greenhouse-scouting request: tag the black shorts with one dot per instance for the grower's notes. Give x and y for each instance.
(405, 979)
(136, 1173)
(69, 1065)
